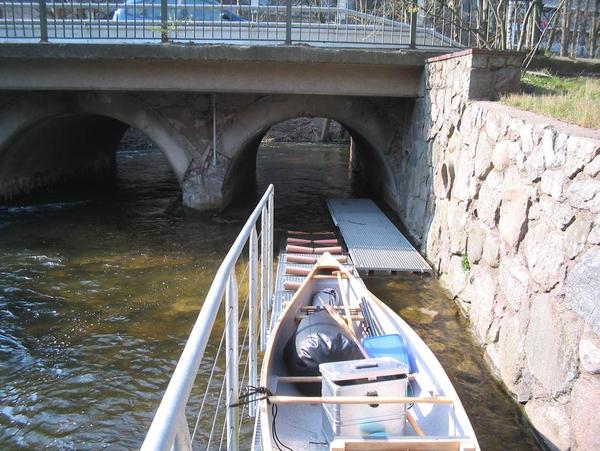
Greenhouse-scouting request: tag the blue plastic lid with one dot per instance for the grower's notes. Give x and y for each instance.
(392, 345)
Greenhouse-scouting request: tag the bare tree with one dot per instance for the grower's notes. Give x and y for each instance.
(565, 31)
(576, 32)
(594, 29)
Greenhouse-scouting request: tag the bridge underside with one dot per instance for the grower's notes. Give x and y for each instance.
(49, 138)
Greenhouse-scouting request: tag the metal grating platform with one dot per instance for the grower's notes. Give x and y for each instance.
(374, 243)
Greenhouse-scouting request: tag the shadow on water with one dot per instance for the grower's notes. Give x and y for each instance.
(98, 295)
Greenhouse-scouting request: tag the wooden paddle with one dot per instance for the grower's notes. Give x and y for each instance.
(349, 331)
(345, 303)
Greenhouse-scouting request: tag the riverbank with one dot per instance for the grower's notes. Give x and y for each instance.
(575, 100)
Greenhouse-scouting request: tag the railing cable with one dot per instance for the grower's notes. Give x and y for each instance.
(216, 360)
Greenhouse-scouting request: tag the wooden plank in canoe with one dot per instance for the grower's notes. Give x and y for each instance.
(408, 444)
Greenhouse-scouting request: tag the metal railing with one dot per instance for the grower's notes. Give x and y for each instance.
(169, 428)
(376, 23)
(493, 24)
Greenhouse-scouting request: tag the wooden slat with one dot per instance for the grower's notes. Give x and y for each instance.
(300, 232)
(330, 242)
(292, 286)
(313, 250)
(359, 400)
(312, 260)
(299, 379)
(295, 271)
(408, 444)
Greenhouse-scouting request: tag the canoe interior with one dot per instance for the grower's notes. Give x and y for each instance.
(300, 426)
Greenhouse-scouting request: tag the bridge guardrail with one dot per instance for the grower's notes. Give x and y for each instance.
(376, 23)
(493, 24)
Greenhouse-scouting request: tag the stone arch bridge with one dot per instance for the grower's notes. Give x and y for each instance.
(64, 108)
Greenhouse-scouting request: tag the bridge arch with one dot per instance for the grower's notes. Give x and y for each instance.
(372, 131)
(43, 134)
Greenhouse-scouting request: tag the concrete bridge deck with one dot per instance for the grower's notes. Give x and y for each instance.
(214, 68)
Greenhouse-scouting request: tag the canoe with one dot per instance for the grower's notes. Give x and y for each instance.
(427, 409)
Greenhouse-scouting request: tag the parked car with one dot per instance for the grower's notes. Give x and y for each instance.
(188, 10)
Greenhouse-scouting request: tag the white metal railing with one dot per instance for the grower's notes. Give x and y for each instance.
(169, 428)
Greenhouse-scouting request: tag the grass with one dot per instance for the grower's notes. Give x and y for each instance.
(570, 99)
(464, 263)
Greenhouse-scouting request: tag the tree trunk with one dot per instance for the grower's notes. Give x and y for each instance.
(581, 31)
(536, 21)
(576, 32)
(524, 26)
(482, 20)
(510, 13)
(501, 24)
(565, 33)
(594, 31)
(551, 38)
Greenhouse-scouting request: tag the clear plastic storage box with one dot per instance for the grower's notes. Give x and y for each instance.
(383, 376)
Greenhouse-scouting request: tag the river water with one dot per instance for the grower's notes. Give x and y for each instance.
(98, 294)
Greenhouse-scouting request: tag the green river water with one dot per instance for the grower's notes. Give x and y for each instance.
(98, 295)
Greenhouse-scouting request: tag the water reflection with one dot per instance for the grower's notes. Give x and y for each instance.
(97, 297)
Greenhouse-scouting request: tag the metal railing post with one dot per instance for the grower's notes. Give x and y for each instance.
(253, 316)
(183, 440)
(270, 251)
(231, 361)
(164, 21)
(288, 22)
(413, 24)
(264, 295)
(214, 128)
(43, 21)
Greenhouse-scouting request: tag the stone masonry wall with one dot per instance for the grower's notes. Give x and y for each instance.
(512, 224)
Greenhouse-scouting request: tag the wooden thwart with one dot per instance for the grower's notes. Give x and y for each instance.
(404, 444)
(352, 317)
(359, 400)
(314, 308)
(292, 286)
(313, 379)
(299, 379)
